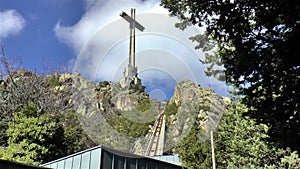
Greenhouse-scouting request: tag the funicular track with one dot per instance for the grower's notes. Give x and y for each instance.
(156, 143)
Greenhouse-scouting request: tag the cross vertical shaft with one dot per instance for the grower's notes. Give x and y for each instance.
(132, 40)
(130, 73)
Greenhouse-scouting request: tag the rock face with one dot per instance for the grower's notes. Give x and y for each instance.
(106, 107)
(195, 103)
(115, 117)
(124, 101)
(97, 101)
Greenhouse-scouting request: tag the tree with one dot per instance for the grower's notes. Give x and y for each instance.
(194, 152)
(75, 139)
(34, 138)
(239, 143)
(18, 87)
(33, 103)
(21, 87)
(7, 67)
(257, 43)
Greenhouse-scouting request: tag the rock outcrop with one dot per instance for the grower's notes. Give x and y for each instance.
(112, 116)
(195, 103)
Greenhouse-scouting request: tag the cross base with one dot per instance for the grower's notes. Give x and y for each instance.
(130, 77)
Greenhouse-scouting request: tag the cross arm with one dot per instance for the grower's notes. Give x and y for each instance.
(130, 20)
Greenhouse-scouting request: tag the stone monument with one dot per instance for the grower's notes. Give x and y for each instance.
(130, 73)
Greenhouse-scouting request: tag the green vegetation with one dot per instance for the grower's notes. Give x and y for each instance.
(134, 123)
(127, 127)
(143, 105)
(136, 88)
(75, 138)
(193, 151)
(3, 127)
(171, 109)
(240, 142)
(104, 83)
(35, 138)
(257, 44)
(53, 80)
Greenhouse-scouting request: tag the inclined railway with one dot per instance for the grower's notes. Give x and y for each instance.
(156, 142)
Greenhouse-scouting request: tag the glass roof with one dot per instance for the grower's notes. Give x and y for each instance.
(106, 158)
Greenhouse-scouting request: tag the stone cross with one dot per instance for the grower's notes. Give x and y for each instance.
(130, 73)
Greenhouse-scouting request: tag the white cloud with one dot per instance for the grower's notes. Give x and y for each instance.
(100, 40)
(99, 13)
(11, 23)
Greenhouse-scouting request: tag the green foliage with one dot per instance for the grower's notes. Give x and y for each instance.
(291, 160)
(171, 109)
(75, 139)
(33, 138)
(127, 127)
(193, 151)
(2, 152)
(3, 127)
(257, 44)
(53, 80)
(104, 83)
(25, 153)
(239, 143)
(143, 105)
(38, 138)
(28, 87)
(136, 88)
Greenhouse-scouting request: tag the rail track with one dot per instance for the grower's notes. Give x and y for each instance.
(156, 143)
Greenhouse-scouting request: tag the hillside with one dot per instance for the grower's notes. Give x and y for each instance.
(110, 115)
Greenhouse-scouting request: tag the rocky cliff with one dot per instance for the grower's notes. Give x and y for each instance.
(194, 103)
(112, 116)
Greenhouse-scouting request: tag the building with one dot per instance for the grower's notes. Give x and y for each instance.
(101, 157)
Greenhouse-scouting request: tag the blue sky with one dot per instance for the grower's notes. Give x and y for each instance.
(36, 42)
(91, 35)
